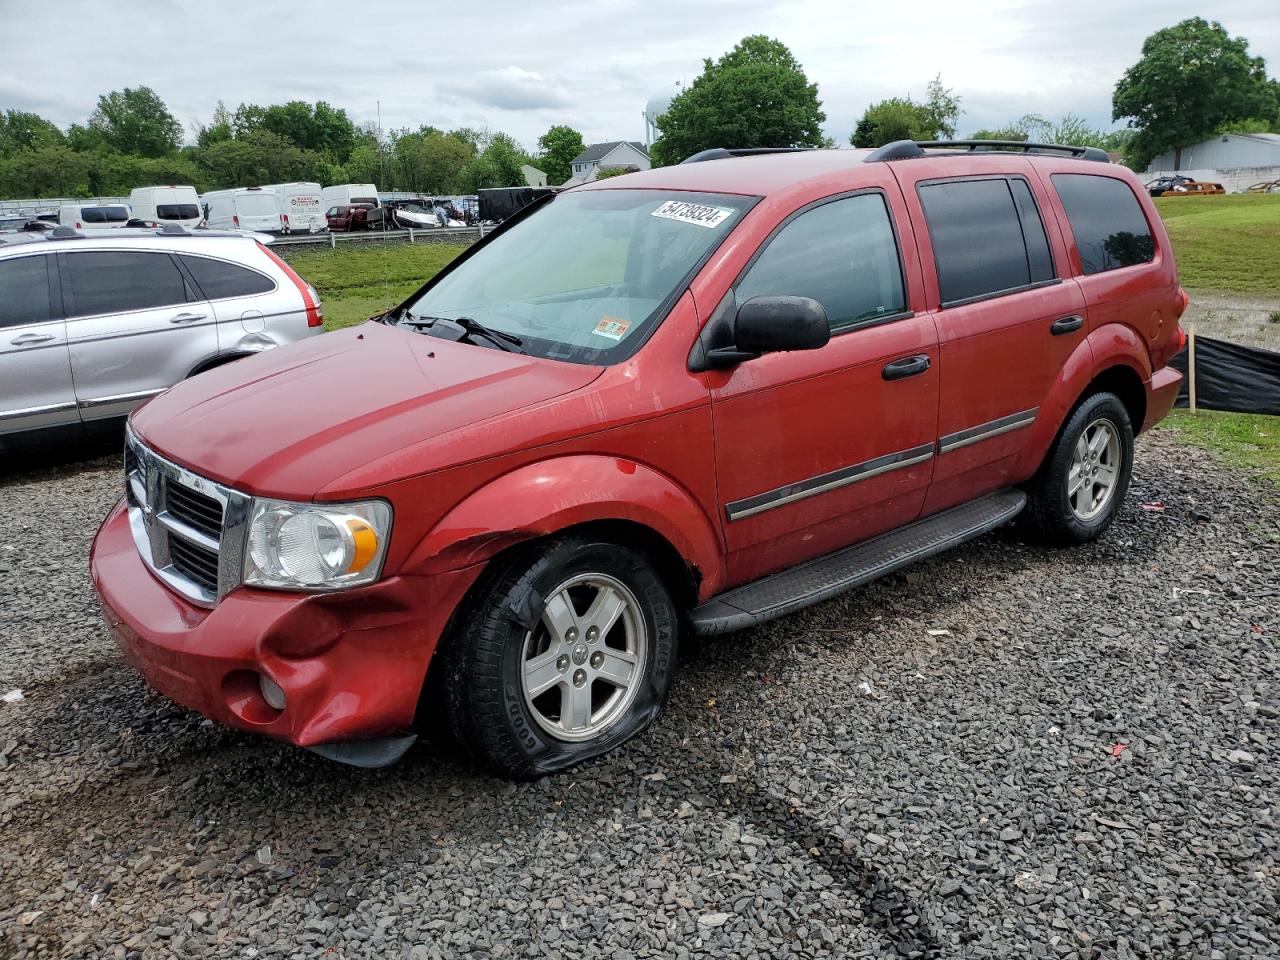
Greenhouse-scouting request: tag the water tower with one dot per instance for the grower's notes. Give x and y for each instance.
(655, 108)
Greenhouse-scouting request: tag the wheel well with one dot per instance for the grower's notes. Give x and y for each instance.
(218, 361)
(1127, 385)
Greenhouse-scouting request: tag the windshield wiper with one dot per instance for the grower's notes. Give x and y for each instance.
(469, 327)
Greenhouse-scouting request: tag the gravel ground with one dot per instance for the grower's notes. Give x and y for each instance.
(1249, 319)
(1080, 766)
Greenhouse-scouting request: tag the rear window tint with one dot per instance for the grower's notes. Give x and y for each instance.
(1106, 220)
(984, 243)
(24, 290)
(110, 281)
(218, 279)
(104, 214)
(177, 211)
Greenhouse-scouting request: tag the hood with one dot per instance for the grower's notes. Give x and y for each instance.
(289, 421)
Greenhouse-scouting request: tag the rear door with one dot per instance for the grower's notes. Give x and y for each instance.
(35, 366)
(821, 448)
(1008, 316)
(135, 327)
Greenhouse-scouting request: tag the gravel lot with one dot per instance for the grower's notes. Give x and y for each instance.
(1080, 767)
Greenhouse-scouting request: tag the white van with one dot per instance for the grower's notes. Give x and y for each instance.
(88, 214)
(243, 208)
(301, 209)
(349, 193)
(168, 204)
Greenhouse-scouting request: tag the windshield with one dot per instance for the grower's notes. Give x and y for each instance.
(585, 278)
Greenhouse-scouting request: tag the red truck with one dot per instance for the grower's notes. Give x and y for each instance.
(690, 399)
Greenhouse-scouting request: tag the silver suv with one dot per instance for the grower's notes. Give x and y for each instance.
(91, 325)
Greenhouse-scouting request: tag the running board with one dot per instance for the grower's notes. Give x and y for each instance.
(798, 587)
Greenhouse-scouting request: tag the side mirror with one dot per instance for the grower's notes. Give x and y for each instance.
(774, 324)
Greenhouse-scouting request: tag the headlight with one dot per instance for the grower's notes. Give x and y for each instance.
(316, 546)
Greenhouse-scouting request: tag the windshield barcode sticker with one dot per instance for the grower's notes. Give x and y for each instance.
(694, 213)
(611, 327)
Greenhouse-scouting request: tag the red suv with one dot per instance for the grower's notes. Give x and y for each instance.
(694, 398)
(346, 217)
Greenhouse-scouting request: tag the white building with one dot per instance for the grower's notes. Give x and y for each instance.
(615, 153)
(1235, 160)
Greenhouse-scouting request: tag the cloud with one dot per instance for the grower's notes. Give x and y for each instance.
(510, 88)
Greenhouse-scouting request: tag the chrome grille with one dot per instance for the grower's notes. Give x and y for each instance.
(188, 529)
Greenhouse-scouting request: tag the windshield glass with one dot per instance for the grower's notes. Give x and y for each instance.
(584, 278)
(177, 211)
(104, 214)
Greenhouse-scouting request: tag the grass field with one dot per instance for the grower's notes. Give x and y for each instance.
(1229, 242)
(1246, 440)
(357, 281)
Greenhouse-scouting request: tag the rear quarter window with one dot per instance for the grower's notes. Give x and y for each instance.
(1108, 224)
(219, 279)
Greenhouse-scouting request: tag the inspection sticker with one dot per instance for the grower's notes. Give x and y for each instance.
(612, 327)
(695, 213)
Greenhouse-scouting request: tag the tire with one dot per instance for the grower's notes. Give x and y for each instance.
(527, 624)
(1096, 440)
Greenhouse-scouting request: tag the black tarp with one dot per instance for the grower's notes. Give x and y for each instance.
(1232, 377)
(499, 203)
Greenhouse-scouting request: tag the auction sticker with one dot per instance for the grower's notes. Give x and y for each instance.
(695, 213)
(612, 327)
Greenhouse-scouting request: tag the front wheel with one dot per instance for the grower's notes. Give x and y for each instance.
(561, 655)
(1077, 492)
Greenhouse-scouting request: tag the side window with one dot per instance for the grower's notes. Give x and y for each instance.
(218, 279)
(24, 290)
(842, 254)
(1109, 226)
(111, 281)
(987, 237)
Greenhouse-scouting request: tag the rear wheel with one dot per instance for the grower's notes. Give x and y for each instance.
(561, 655)
(1075, 496)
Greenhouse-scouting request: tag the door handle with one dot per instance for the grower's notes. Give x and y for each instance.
(29, 338)
(906, 367)
(186, 318)
(1066, 325)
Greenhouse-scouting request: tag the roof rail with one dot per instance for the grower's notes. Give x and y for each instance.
(64, 232)
(173, 230)
(720, 153)
(910, 149)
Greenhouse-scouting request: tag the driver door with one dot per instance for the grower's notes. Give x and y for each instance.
(819, 449)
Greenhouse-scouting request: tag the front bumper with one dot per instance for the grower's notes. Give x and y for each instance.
(351, 664)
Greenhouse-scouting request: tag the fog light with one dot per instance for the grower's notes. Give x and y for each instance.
(271, 691)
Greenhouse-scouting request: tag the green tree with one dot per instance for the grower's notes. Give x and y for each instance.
(20, 130)
(756, 95)
(559, 146)
(136, 120)
(218, 129)
(48, 171)
(1191, 79)
(247, 118)
(364, 165)
(901, 118)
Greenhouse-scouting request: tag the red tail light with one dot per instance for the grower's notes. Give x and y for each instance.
(309, 300)
(235, 219)
(1179, 341)
(284, 218)
(1184, 301)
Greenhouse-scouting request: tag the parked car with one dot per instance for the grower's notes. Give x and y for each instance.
(243, 208)
(156, 206)
(1194, 188)
(301, 209)
(363, 194)
(346, 217)
(499, 504)
(96, 215)
(91, 326)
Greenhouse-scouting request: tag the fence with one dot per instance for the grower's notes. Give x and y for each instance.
(1226, 376)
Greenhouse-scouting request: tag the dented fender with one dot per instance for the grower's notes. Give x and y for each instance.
(542, 498)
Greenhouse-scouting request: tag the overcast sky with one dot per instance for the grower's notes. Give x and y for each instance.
(523, 66)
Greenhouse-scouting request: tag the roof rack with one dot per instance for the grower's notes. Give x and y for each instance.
(173, 230)
(911, 149)
(720, 153)
(65, 233)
